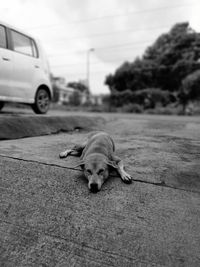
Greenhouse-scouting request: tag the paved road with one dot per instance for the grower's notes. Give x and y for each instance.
(48, 217)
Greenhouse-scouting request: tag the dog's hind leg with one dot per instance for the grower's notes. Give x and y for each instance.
(75, 151)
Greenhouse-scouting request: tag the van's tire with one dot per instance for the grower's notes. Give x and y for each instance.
(42, 101)
(1, 105)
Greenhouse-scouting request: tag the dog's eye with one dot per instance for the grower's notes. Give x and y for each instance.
(100, 171)
(89, 172)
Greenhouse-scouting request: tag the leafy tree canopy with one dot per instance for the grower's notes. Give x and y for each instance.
(172, 57)
(81, 87)
(191, 86)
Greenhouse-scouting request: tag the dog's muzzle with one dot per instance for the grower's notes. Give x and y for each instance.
(94, 187)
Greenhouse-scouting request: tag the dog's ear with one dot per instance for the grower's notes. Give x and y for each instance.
(112, 163)
(80, 164)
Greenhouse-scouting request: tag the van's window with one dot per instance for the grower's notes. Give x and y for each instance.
(22, 43)
(3, 43)
(34, 49)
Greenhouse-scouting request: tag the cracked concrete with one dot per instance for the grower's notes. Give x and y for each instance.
(48, 217)
(162, 183)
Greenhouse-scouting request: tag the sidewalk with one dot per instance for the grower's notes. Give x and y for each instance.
(48, 217)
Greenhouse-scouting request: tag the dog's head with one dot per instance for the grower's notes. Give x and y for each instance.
(96, 170)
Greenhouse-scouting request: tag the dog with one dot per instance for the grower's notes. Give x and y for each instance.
(97, 157)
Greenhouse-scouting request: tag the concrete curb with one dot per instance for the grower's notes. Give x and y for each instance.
(30, 126)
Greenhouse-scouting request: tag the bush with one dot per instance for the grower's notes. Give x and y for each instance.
(55, 97)
(162, 111)
(75, 98)
(191, 85)
(118, 99)
(190, 89)
(131, 108)
(150, 97)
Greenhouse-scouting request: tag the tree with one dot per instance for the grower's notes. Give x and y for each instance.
(55, 88)
(78, 86)
(132, 76)
(190, 89)
(175, 55)
(172, 57)
(75, 98)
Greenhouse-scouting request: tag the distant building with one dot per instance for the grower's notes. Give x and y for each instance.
(64, 95)
(60, 90)
(96, 100)
(64, 92)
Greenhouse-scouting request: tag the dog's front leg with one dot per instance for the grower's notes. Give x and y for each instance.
(75, 151)
(66, 153)
(119, 166)
(123, 174)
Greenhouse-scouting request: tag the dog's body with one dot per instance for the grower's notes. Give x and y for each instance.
(96, 156)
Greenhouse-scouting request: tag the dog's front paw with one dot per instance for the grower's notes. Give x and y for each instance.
(126, 178)
(64, 154)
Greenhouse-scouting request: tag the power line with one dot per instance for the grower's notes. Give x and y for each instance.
(82, 63)
(84, 73)
(123, 45)
(104, 48)
(113, 33)
(115, 15)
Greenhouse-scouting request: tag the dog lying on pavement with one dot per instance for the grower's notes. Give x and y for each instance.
(96, 158)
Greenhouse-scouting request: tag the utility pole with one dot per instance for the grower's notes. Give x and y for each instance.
(88, 68)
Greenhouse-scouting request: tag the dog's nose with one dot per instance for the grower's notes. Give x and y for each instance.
(94, 188)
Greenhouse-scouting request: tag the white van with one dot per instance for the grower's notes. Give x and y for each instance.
(24, 70)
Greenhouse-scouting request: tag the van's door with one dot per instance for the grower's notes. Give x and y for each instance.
(6, 65)
(25, 66)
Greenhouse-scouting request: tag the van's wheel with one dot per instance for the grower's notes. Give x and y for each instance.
(42, 101)
(1, 105)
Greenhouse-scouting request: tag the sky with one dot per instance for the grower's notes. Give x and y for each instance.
(104, 33)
